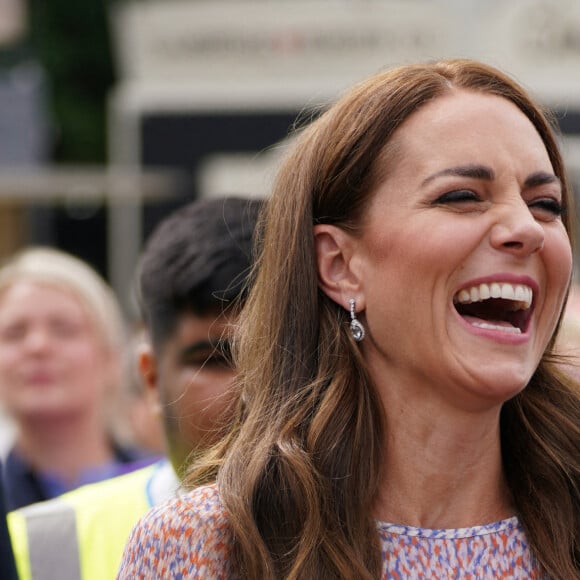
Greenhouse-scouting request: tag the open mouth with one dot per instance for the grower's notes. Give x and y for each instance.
(496, 306)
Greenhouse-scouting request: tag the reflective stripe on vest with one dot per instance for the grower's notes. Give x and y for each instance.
(50, 555)
(87, 526)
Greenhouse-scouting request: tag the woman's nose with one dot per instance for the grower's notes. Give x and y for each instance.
(37, 340)
(516, 231)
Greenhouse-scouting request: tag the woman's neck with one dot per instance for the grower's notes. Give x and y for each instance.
(443, 469)
(64, 447)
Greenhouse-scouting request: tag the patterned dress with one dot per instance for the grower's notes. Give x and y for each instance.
(189, 537)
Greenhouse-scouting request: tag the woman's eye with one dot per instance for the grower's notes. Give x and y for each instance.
(457, 196)
(64, 329)
(13, 333)
(547, 206)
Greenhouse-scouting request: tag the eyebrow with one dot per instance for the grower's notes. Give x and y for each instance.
(197, 347)
(487, 174)
(204, 346)
(541, 178)
(472, 170)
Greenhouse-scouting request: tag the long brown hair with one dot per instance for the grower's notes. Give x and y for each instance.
(298, 472)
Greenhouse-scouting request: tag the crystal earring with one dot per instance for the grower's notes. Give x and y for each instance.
(356, 328)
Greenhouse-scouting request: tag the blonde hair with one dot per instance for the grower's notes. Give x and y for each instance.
(45, 265)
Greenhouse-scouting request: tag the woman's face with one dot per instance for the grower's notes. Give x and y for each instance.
(52, 361)
(463, 258)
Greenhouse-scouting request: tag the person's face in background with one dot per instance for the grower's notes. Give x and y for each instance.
(191, 380)
(470, 206)
(53, 364)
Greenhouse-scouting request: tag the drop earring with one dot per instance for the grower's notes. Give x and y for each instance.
(356, 328)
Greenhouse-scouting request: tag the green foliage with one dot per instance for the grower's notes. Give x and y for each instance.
(72, 41)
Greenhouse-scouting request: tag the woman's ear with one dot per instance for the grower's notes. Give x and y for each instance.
(334, 251)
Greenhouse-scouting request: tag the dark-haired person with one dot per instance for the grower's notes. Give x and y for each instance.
(401, 413)
(192, 283)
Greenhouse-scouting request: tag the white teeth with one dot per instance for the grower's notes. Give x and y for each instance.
(509, 329)
(520, 294)
(474, 294)
(484, 292)
(508, 292)
(463, 297)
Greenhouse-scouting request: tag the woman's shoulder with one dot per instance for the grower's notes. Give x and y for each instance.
(201, 504)
(200, 507)
(189, 533)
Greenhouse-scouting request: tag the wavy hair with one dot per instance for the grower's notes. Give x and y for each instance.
(298, 473)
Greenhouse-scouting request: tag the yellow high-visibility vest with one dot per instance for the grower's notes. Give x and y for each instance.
(81, 534)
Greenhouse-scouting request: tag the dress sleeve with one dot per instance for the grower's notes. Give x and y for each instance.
(187, 537)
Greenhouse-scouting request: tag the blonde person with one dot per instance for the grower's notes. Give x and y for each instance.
(61, 363)
(399, 415)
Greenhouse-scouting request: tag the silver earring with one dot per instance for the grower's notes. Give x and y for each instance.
(356, 328)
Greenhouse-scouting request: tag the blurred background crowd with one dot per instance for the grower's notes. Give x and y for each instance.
(115, 112)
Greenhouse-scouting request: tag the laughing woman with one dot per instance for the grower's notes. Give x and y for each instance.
(401, 412)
